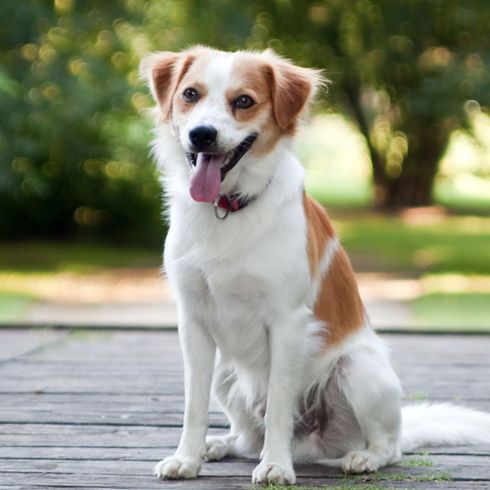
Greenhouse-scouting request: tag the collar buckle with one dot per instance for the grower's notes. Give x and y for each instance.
(221, 202)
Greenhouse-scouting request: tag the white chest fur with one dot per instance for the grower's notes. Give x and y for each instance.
(235, 277)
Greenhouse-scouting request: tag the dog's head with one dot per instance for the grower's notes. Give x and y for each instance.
(225, 105)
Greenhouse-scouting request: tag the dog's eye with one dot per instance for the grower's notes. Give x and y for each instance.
(243, 102)
(190, 94)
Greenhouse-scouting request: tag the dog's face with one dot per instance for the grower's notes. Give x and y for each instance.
(225, 105)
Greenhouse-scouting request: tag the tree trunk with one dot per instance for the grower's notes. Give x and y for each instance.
(380, 179)
(414, 185)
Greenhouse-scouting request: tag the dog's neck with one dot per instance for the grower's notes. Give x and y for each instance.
(230, 203)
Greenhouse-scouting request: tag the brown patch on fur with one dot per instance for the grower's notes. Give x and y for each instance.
(292, 88)
(251, 77)
(338, 303)
(166, 70)
(319, 231)
(280, 89)
(248, 79)
(179, 104)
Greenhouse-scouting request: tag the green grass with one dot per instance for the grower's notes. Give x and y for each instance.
(401, 477)
(13, 305)
(453, 311)
(354, 486)
(49, 257)
(416, 462)
(452, 250)
(447, 195)
(343, 194)
(365, 482)
(453, 245)
(440, 252)
(342, 486)
(23, 264)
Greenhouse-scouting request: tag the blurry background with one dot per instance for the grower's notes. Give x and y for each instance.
(398, 150)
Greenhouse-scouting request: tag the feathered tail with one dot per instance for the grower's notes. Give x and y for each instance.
(437, 424)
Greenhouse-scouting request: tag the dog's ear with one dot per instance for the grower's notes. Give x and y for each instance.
(293, 87)
(163, 72)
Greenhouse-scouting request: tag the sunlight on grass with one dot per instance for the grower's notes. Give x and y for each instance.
(447, 246)
(75, 273)
(455, 283)
(457, 311)
(52, 257)
(463, 180)
(337, 165)
(338, 170)
(13, 305)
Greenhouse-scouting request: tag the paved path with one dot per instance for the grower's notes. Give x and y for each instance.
(152, 305)
(97, 410)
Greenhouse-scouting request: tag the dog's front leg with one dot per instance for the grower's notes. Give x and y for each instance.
(199, 353)
(286, 365)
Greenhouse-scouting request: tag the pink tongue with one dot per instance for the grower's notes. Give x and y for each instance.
(206, 181)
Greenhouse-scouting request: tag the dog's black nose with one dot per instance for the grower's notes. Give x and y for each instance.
(202, 137)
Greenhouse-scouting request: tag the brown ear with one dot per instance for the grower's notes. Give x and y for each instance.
(163, 72)
(292, 88)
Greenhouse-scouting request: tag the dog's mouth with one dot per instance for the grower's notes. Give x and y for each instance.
(211, 169)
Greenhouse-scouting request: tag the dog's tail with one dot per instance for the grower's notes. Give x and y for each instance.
(437, 424)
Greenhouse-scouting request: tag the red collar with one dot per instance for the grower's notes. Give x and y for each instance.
(234, 202)
(230, 204)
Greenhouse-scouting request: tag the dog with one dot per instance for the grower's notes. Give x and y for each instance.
(270, 317)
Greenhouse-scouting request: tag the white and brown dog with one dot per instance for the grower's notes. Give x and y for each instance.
(266, 296)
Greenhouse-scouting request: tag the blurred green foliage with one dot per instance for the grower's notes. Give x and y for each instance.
(73, 142)
(74, 155)
(408, 73)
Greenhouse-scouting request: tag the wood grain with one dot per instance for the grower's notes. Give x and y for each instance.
(97, 410)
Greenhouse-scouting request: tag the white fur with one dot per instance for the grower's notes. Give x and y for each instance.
(437, 424)
(245, 299)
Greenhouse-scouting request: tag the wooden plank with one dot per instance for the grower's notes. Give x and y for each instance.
(15, 343)
(102, 404)
(78, 403)
(41, 435)
(454, 467)
(209, 483)
(168, 443)
(86, 413)
(81, 417)
(160, 378)
(137, 474)
(79, 439)
(124, 346)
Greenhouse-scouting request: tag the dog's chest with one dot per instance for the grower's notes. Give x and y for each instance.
(240, 314)
(239, 276)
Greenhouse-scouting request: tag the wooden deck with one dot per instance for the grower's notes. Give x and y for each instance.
(88, 409)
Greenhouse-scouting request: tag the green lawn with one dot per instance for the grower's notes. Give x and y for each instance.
(455, 311)
(450, 255)
(25, 263)
(454, 244)
(52, 257)
(13, 305)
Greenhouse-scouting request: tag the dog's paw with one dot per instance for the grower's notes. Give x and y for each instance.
(273, 473)
(176, 467)
(360, 462)
(218, 447)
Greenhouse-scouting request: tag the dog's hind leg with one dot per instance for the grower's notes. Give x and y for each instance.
(373, 391)
(245, 437)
